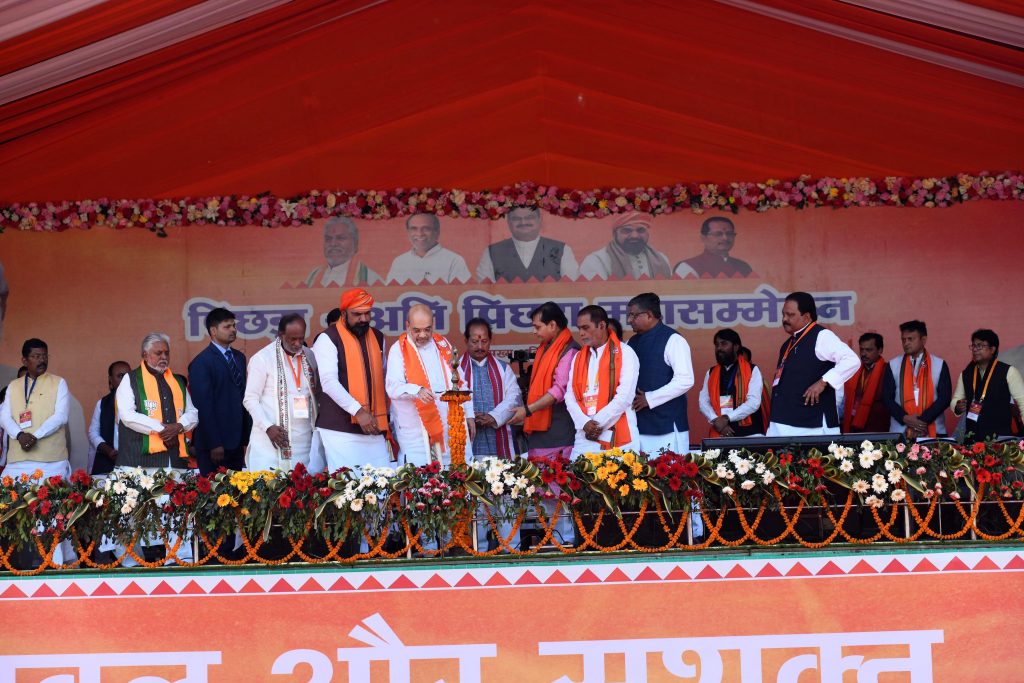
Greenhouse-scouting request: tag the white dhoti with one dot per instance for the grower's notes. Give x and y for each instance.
(263, 455)
(344, 449)
(779, 429)
(677, 442)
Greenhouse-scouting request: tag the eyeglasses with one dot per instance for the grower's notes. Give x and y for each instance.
(634, 316)
(979, 347)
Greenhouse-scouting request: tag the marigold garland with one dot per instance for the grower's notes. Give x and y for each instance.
(268, 210)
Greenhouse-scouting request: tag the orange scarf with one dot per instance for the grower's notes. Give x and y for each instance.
(857, 419)
(149, 400)
(542, 378)
(609, 371)
(925, 387)
(416, 373)
(372, 397)
(742, 381)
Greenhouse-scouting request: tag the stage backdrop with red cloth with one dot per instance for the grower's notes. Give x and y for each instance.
(916, 617)
(93, 294)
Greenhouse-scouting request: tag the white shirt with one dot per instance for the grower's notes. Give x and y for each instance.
(621, 403)
(525, 250)
(95, 438)
(437, 264)
(338, 275)
(260, 397)
(744, 410)
(142, 423)
(326, 354)
(599, 264)
(512, 396)
(676, 356)
(50, 425)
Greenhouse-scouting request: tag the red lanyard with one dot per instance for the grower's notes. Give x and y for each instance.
(793, 344)
(296, 371)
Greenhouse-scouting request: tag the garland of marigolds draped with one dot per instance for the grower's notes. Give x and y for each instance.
(614, 497)
(268, 210)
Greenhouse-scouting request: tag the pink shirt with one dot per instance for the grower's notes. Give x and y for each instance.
(561, 383)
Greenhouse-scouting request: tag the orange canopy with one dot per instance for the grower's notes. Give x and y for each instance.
(157, 98)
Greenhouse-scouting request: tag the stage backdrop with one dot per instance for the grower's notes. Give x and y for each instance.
(949, 616)
(93, 294)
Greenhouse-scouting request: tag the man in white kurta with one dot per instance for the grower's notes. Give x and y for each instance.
(353, 430)
(424, 385)
(594, 424)
(427, 261)
(279, 397)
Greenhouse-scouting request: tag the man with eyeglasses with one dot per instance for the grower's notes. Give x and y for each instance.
(719, 237)
(987, 389)
(665, 375)
(628, 255)
(917, 388)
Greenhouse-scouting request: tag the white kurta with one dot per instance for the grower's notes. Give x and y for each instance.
(827, 347)
(437, 265)
(621, 403)
(413, 441)
(261, 400)
(751, 404)
(142, 423)
(345, 449)
(676, 356)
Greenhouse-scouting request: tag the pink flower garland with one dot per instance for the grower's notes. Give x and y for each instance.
(270, 211)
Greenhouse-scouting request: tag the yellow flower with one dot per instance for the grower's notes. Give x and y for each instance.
(624, 490)
(256, 497)
(636, 469)
(245, 512)
(628, 458)
(640, 484)
(3, 506)
(224, 500)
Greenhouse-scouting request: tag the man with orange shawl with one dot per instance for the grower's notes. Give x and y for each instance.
(602, 387)
(863, 407)
(352, 419)
(917, 388)
(419, 371)
(731, 398)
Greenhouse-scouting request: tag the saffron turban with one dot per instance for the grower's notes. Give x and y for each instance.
(632, 218)
(355, 299)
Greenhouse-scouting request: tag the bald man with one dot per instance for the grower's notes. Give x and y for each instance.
(419, 370)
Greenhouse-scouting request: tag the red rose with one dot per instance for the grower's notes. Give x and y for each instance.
(547, 476)
(991, 460)
(284, 500)
(690, 470)
(190, 497)
(662, 470)
(75, 497)
(674, 483)
(435, 466)
(55, 480)
(561, 478)
(978, 448)
(203, 484)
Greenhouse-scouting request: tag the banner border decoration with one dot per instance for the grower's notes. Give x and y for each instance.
(179, 583)
(268, 210)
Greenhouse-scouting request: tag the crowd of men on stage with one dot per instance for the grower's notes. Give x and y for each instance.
(351, 399)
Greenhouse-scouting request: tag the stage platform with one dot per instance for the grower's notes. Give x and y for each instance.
(927, 612)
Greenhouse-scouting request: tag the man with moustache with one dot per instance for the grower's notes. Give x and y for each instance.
(34, 415)
(628, 255)
(719, 236)
(917, 387)
(602, 387)
(526, 254)
(341, 243)
(279, 390)
(420, 370)
(217, 382)
(665, 375)
(730, 398)
(863, 405)
(813, 365)
(154, 411)
(353, 406)
(496, 393)
(987, 390)
(427, 261)
(103, 438)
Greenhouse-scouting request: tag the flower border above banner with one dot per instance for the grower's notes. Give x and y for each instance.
(268, 210)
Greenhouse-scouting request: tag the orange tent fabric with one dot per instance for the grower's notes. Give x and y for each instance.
(349, 94)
